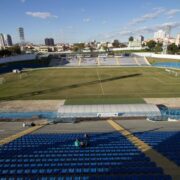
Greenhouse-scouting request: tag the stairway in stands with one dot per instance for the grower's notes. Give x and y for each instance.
(54, 156)
(167, 143)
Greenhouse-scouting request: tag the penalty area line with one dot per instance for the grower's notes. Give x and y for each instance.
(100, 82)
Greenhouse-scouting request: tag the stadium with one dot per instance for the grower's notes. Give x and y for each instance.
(128, 107)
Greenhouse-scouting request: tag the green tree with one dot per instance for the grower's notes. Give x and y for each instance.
(116, 43)
(131, 38)
(5, 53)
(122, 45)
(173, 49)
(151, 45)
(105, 48)
(158, 48)
(78, 47)
(15, 49)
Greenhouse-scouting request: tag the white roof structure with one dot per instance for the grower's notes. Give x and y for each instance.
(109, 110)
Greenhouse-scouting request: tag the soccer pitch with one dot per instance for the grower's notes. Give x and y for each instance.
(92, 83)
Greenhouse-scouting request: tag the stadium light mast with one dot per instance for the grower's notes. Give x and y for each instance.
(166, 39)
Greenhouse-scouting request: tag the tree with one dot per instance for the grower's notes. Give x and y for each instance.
(173, 49)
(131, 38)
(15, 49)
(105, 48)
(78, 47)
(151, 45)
(5, 52)
(158, 48)
(122, 45)
(116, 43)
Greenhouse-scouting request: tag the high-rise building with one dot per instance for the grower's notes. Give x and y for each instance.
(141, 38)
(21, 34)
(49, 42)
(2, 41)
(178, 40)
(160, 34)
(46, 42)
(8, 40)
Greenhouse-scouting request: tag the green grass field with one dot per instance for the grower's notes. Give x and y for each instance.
(83, 85)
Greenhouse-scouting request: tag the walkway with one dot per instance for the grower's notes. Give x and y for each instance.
(168, 166)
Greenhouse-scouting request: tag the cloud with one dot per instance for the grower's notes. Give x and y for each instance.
(23, 1)
(86, 20)
(41, 15)
(136, 32)
(172, 12)
(148, 30)
(156, 13)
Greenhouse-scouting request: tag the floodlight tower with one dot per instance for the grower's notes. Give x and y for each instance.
(166, 38)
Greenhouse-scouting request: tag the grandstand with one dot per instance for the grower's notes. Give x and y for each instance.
(175, 65)
(49, 153)
(102, 60)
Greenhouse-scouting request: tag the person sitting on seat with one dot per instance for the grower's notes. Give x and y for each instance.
(77, 143)
(86, 140)
(82, 144)
(86, 136)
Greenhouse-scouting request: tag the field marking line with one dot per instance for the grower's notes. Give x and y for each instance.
(147, 62)
(100, 82)
(136, 61)
(157, 79)
(79, 61)
(117, 61)
(98, 62)
(169, 167)
(166, 83)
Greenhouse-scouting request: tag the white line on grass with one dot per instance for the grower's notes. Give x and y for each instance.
(100, 82)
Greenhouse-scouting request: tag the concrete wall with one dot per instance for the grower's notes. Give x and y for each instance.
(153, 55)
(126, 48)
(25, 57)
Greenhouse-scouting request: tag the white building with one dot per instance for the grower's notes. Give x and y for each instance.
(177, 40)
(160, 34)
(2, 41)
(135, 43)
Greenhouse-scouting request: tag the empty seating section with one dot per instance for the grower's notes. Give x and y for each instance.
(168, 64)
(54, 156)
(167, 143)
(23, 64)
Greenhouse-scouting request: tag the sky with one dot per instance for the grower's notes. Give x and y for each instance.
(69, 21)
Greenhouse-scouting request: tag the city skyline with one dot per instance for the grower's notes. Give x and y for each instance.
(69, 21)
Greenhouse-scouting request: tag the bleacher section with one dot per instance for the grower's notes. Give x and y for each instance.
(168, 64)
(8, 67)
(167, 143)
(53, 156)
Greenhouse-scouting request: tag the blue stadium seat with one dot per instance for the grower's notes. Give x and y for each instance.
(167, 143)
(53, 156)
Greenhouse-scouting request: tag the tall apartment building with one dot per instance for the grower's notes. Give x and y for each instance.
(49, 42)
(160, 34)
(2, 41)
(8, 40)
(177, 42)
(21, 34)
